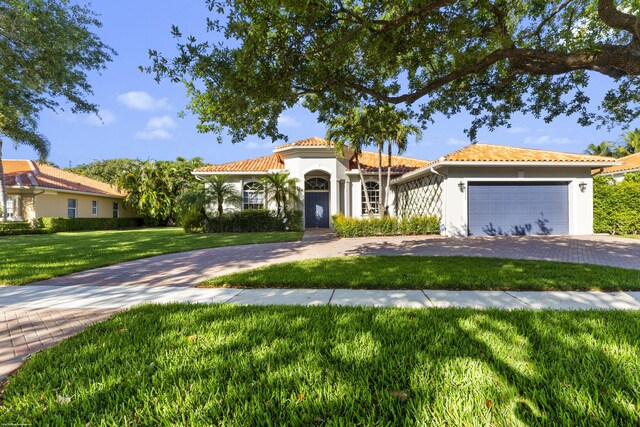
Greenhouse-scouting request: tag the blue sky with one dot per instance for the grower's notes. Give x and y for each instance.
(140, 117)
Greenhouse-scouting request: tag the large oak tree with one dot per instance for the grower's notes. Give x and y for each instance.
(47, 47)
(491, 58)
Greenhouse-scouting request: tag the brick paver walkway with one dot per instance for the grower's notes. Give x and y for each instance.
(25, 331)
(190, 268)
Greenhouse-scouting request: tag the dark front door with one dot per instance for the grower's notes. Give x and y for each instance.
(509, 208)
(316, 210)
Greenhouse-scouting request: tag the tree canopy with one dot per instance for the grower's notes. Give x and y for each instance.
(104, 170)
(489, 58)
(47, 47)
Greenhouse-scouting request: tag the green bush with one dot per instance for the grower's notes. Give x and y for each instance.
(12, 228)
(616, 206)
(385, 226)
(55, 225)
(254, 220)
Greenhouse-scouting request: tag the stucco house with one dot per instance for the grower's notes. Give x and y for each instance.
(480, 189)
(627, 165)
(37, 190)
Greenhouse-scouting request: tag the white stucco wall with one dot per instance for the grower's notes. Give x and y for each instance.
(455, 201)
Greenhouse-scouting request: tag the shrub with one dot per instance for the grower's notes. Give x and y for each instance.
(13, 228)
(385, 226)
(253, 221)
(616, 206)
(56, 225)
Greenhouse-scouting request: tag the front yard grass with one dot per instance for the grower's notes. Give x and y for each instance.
(203, 365)
(28, 258)
(421, 272)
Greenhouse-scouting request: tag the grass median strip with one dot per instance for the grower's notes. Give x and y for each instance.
(29, 258)
(421, 272)
(245, 365)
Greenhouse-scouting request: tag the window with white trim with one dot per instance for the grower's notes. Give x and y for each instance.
(116, 209)
(373, 190)
(252, 196)
(72, 208)
(94, 207)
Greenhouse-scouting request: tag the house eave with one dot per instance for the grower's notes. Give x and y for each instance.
(438, 164)
(60, 190)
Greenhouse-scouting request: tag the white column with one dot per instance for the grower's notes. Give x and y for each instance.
(334, 200)
(347, 197)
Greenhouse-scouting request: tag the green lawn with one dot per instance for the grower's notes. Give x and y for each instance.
(35, 257)
(632, 236)
(252, 366)
(414, 272)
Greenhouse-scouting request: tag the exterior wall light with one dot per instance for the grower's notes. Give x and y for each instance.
(461, 186)
(583, 186)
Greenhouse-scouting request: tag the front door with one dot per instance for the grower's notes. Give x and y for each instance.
(316, 210)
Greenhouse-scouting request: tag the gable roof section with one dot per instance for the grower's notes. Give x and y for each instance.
(495, 155)
(629, 163)
(27, 173)
(501, 153)
(259, 164)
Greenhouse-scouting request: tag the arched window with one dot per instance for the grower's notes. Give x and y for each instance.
(373, 189)
(252, 196)
(316, 184)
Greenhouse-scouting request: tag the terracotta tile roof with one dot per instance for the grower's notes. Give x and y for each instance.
(399, 164)
(26, 173)
(501, 153)
(260, 164)
(629, 163)
(314, 141)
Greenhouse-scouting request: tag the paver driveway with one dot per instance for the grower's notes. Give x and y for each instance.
(48, 315)
(190, 268)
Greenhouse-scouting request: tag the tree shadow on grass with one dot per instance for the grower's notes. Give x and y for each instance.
(203, 365)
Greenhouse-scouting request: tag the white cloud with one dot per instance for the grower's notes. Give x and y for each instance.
(162, 122)
(288, 121)
(546, 140)
(104, 118)
(155, 134)
(457, 142)
(157, 128)
(140, 100)
(517, 129)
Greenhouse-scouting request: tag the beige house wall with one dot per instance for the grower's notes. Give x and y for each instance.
(54, 204)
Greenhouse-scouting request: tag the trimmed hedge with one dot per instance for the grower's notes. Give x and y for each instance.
(616, 206)
(253, 221)
(385, 226)
(55, 225)
(13, 228)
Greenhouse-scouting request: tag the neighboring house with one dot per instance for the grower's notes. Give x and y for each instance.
(627, 164)
(37, 190)
(480, 189)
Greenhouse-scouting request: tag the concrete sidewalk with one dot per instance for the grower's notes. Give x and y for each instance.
(122, 297)
(36, 317)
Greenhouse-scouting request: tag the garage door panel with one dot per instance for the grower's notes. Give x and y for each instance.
(518, 208)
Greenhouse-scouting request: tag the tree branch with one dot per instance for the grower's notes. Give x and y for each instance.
(611, 16)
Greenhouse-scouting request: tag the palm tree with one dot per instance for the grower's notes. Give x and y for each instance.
(605, 148)
(351, 130)
(281, 189)
(36, 141)
(400, 138)
(631, 140)
(220, 191)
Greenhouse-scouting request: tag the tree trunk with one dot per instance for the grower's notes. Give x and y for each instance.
(364, 188)
(380, 200)
(3, 188)
(388, 186)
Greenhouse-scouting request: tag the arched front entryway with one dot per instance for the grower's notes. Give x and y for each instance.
(316, 201)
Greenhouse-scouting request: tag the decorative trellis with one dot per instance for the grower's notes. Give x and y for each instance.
(422, 196)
